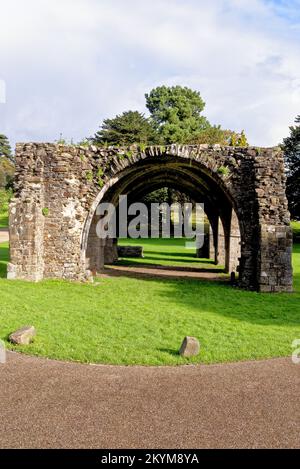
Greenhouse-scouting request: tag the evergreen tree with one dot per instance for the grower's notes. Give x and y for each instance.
(5, 149)
(6, 163)
(6, 172)
(129, 128)
(291, 146)
(176, 113)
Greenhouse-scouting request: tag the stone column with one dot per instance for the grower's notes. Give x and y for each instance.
(204, 251)
(27, 214)
(211, 243)
(111, 251)
(234, 249)
(275, 240)
(275, 272)
(26, 221)
(95, 248)
(220, 248)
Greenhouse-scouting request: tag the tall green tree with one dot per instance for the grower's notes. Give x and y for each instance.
(291, 146)
(7, 170)
(6, 163)
(5, 148)
(127, 129)
(176, 113)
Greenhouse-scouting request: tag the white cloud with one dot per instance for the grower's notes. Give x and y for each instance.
(70, 63)
(2, 91)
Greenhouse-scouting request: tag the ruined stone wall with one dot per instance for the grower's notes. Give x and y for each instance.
(274, 270)
(57, 189)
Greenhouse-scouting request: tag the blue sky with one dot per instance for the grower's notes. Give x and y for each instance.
(68, 64)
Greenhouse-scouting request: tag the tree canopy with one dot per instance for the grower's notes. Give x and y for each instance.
(5, 148)
(6, 163)
(291, 146)
(126, 129)
(216, 135)
(175, 117)
(176, 113)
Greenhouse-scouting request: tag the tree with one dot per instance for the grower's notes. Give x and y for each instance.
(5, 149)
(291, 146)
(129, 128)
(6, 172)
(6, 163)
(238, 140)
(215, 134)
(242, 140)
(176, 113)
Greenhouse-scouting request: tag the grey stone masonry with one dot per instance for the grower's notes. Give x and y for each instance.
(58, 188)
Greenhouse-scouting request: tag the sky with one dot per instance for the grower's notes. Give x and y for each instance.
(65, 65)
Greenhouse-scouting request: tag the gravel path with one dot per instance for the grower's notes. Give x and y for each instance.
(167, 272)
(47, 404)
(4, 236)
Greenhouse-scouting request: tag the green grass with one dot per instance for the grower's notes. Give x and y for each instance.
(3, 220)
(172, 252)
(296, 228)
(137, 321)
(4, 198)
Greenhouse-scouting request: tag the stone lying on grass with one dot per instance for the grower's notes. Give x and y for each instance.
(23, 336)
(130, 251)
(190, 347)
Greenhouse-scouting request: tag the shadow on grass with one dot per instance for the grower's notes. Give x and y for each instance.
(170, 351)
(187, 255)
(154, 266)
(219, 298)
(265, 309)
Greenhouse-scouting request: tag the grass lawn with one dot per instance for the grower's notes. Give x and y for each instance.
(3, 220)
(139, 321)
(296, 228)
(172, 252)
(4, 198)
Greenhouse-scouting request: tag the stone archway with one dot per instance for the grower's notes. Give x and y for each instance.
(58, 188)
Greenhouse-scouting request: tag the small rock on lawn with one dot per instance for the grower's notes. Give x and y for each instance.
(23, 336)
(190, 347)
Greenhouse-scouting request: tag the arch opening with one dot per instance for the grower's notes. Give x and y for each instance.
(222, 233)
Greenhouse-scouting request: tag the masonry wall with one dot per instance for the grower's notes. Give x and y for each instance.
(58, 187)
(274, 269)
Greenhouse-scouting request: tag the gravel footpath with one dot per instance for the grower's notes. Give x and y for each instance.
(52, 404)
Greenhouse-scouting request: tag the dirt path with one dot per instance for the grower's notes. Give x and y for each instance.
(44, 403)
(148, 271)
(4, 236)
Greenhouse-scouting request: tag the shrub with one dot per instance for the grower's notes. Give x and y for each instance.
(223, 170)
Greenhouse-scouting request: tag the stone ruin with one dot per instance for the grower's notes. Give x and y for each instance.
(58, 189)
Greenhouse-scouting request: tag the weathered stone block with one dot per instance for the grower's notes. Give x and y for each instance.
(23, 336)
(11, 271)
(131, 251)
(190, 347)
